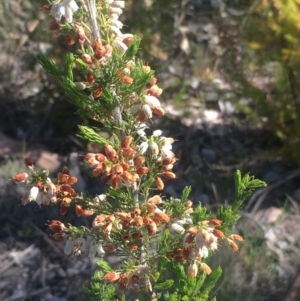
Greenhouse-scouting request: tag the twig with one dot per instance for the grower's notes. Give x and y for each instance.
(40, 232)
(15, 259)
(93, 19)
(45, 238)
(294, 204)
(118, 116)
(36, 275)
(215, 191)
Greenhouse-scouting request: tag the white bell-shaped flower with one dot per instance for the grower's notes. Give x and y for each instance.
(64, 9)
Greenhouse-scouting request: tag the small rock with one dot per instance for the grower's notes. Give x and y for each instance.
(209, 155)
(72, 272)
(19, 292)
(48, 160)
(50, 297)
(269, 215)
(61, 273)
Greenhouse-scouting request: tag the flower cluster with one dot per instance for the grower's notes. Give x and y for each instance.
(128, 229)
(126, 164)
(42, 190)
(131, 217)
(198, 242)
(59, 228)
(115, 166)
(128, 280)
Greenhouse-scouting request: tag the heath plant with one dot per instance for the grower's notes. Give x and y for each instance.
(165, 243)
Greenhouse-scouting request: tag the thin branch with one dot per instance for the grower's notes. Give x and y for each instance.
(117, 114)
(93, 19)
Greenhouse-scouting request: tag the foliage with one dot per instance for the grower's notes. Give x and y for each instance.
(244, 186)
(260, 42)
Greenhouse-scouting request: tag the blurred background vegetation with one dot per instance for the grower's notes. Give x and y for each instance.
(241, 57)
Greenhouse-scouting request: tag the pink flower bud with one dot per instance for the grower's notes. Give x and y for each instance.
(90, 78)
(159, 183)
(57, 226)
(28, 162)
(70, 40)
(126, 141)
(155, 91)
(205, 268)
(20, 178)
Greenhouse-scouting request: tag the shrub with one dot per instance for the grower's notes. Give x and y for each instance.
(166, 243)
